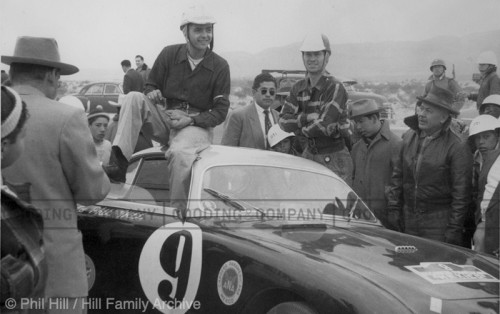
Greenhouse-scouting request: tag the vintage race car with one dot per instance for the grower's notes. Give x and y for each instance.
(266, 233)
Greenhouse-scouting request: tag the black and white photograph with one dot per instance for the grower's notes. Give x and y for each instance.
(250, 156)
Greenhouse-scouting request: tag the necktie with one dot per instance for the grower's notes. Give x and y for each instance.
(267, 125)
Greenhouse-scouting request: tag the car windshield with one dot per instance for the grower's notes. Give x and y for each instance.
(275, 191)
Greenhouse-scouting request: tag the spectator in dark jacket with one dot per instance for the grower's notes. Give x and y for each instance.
(142, 68)
(132, 81)
(489, 82)
(430, 188)
(373, 156)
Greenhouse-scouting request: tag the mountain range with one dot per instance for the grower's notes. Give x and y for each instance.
(380, 61)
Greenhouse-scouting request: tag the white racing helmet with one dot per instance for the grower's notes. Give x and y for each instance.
(196, 15)
(492, 99)
(316, 42)
(276, 135)
(72, 101)
(487, 57)
(483, 123)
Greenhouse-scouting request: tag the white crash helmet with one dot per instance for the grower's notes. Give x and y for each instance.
(196, 15)
(316, 42)
(492, 99)
(276, 135)
(72, 101)
(483, 123)
(487, 57)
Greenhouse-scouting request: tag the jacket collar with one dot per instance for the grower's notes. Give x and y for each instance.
(28, 90)
(385, 131)
(306, 85)
(207, 62)
(412, 122)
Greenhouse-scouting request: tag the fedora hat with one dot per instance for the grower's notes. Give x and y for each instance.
(39, 51)
(439, 97)
(364, 107)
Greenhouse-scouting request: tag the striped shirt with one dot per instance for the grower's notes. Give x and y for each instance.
(328, 99)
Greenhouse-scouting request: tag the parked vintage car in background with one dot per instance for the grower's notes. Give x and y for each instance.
(286, 79)
(100, 93)
(267, 233)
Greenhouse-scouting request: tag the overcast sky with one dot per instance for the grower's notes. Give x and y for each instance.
(101, 33)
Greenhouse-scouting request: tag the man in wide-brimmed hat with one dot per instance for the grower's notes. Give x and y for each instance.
(60, 163)
(430, 189)
(373, 156)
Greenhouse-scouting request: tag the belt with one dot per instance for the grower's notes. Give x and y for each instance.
(325, 145)
(176, 104)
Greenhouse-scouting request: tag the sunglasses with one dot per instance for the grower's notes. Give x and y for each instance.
(264, 91)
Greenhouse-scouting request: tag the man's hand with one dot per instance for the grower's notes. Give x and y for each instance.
(176, 114)
(180, 123)
(155, 96)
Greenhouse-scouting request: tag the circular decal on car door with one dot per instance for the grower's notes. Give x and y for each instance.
(230, 282)
(90, 269)
(170, 267)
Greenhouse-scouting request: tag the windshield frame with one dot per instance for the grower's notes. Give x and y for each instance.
(197, 185)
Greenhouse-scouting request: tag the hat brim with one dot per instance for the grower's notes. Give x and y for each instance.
(422, 99)
(100, 114)
(367, 113)
(65, 69)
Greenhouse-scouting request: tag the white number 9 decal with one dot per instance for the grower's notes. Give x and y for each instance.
(170, 266)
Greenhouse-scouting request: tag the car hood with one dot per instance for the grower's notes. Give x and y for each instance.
(391, 260)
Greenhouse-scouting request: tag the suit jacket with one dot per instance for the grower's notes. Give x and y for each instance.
(132, 82)
(60, 162)
(243, 128)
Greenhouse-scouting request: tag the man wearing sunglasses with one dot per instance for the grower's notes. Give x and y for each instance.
(316, 109)
(185, 97)
(248, 126)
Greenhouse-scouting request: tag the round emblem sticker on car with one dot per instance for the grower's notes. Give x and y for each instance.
(230, 282)
(90, 268)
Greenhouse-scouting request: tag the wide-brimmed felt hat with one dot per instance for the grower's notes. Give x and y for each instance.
(439, 97)
(364, 107)
(39, 51)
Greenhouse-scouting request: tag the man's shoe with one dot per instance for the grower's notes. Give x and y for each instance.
(117, 167)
